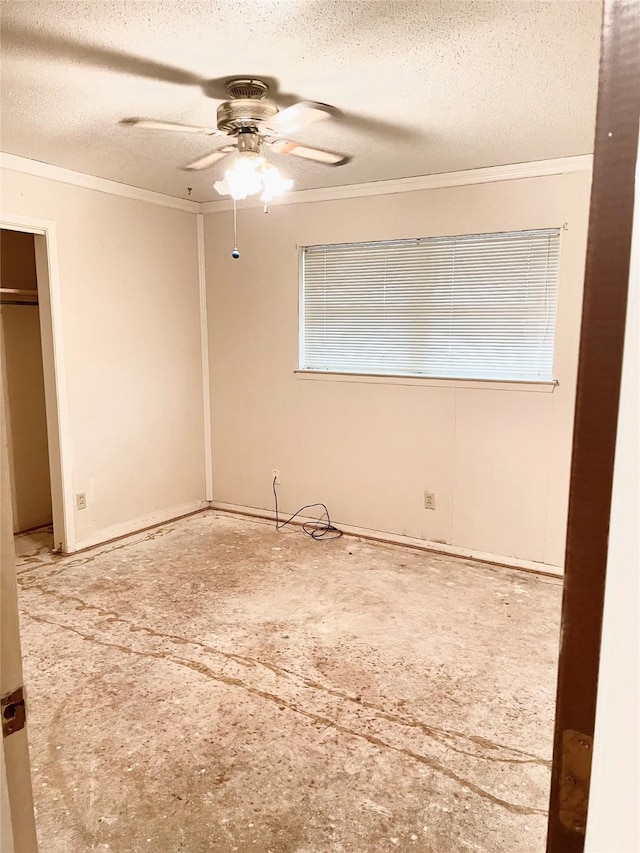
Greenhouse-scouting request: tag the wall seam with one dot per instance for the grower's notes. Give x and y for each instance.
(453, 462)
(204, 352)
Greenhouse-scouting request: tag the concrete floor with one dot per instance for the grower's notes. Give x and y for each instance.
(213, 685)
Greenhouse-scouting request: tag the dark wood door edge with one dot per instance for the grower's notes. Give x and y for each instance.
(596, 411)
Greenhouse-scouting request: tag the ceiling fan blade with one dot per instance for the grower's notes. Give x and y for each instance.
(209, 159)
(389, 129)
(152, 124)
(307, 152)
(301, 115)
(51, 46)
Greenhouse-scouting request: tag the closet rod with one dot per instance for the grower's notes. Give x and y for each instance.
(15, 291)
(15, 296)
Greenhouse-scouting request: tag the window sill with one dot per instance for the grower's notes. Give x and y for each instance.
(546, 387)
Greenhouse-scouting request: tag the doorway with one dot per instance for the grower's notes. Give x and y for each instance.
(34, 397)
(24, 402)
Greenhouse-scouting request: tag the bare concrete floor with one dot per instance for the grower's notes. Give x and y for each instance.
(213, 685)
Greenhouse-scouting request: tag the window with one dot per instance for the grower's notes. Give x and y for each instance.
(480, 306)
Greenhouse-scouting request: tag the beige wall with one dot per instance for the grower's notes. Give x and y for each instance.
(497, 457)
(131, 335)
(24, 387)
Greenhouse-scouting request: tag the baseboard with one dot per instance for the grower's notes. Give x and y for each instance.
(408, 541)
(138, 524)
(145, 522)
(33, 527)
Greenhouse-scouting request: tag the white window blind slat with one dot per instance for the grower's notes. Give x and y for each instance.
(473, 306)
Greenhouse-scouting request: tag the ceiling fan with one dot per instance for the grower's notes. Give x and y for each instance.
(249, 119)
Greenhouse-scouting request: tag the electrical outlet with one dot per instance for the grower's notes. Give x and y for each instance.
(275, 476)
(429, 500)
(81, 500)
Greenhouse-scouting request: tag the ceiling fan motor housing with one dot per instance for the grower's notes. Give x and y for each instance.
(247, 105)
(244, 112)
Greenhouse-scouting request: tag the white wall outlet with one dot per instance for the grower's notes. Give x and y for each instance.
(275, 476)
(429, 500)
(81, 500)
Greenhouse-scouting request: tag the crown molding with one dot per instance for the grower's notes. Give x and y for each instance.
(490, 174)
(79, 179)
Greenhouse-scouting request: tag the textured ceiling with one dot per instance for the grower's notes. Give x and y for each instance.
(428, 86)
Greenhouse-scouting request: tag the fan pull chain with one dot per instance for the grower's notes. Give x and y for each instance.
(235, 254)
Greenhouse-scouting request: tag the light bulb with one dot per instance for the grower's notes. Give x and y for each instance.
(273, 182)
(251, 174)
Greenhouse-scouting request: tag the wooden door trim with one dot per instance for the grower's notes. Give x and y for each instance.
(596, 411)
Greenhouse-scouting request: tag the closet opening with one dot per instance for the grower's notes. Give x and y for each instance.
(30, 386)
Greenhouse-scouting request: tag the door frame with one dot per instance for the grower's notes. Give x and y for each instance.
(55, 385)
(595, 430)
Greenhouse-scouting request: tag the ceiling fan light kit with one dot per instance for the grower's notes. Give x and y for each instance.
(252, 174)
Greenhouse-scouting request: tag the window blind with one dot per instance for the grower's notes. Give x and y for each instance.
(478, 306)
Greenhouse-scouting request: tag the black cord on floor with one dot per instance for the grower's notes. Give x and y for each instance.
(319, 530)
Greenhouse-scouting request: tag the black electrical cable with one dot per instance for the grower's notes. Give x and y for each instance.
(320, 530)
